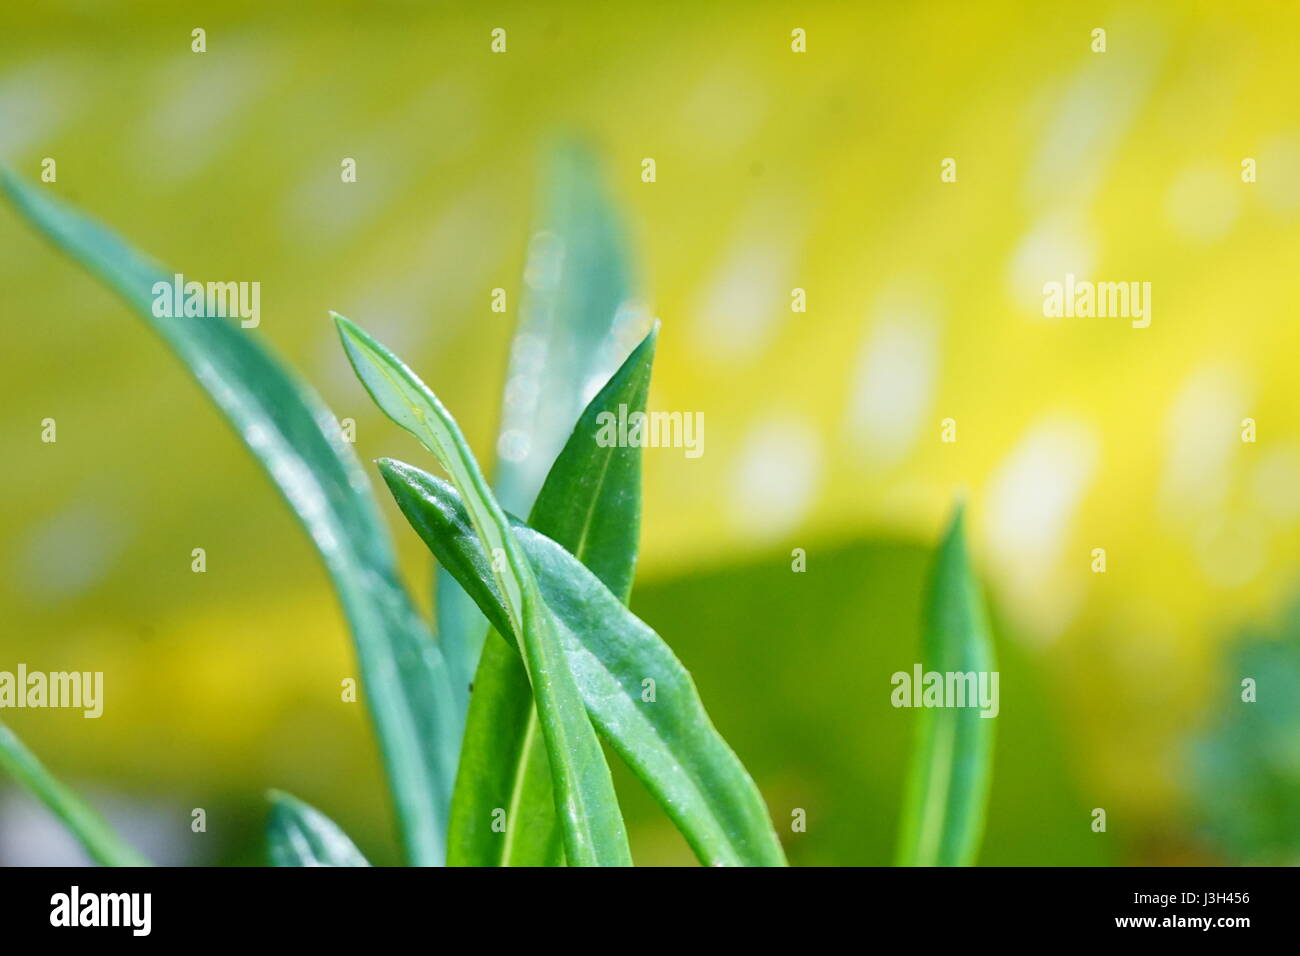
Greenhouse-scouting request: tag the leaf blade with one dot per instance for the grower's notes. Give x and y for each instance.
(503, 766)
(590, 503)
(584, 792)
(576, 281)
(671, 745)
(83, 821)
(296, 439)
(297, 834)
(951, 770)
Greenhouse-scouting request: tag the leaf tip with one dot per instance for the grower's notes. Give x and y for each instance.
(644, 352)
(398, 475)
(345, 325)
(955, 533)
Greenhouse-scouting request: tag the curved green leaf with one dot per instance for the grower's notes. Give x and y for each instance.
(594, 834)
(297, 834)
(591, 505)
(669, 742)
(100, 841)
(297, 440)
(952, 762)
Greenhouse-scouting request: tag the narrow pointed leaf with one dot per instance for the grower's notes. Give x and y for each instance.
(298, 441)
(576, 279)
(591, 505)
(297, 834)
(948, 783)
(83, 822)
(594, 834)
(669, 743)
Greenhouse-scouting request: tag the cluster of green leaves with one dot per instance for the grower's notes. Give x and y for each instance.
(513, 773)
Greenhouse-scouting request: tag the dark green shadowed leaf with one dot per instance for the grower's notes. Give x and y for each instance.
(591, 505)
(297, 440)
(297, 834)
(594, 834)
(104, 846)
(669, 743)
(948, 782)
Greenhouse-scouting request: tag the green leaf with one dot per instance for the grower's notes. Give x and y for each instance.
(591, 505)
(576, 280)
(297, 834)
(298, 441)
(104, 846)
(1244, 785)
(669, 743)
(594, 834)
(460, 636)
(952, 762)
(503, 765)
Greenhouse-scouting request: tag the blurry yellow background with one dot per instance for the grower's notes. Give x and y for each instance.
(775, 170)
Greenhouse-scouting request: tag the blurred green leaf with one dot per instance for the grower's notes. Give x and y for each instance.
(1245, 766)
(952, 763)
(666, 738)
(460, 636)
(591, 505)
(297, 834)
(814, 738)
(568, 336)
(298, 441)
(90, 829)
(594, 834)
